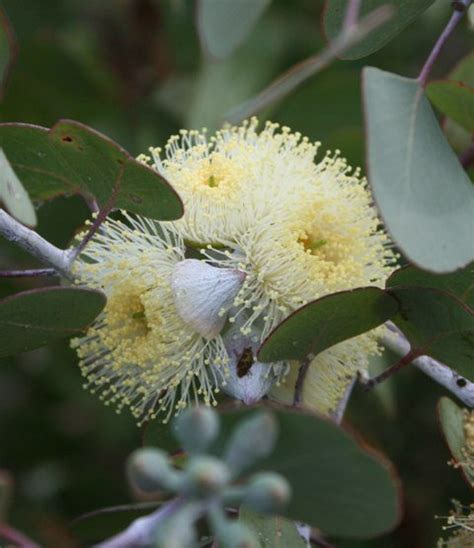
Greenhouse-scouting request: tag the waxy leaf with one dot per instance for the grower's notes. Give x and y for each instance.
(405, 12)
(452, 418)
(74, 158)
(13, 196)
(272, 531)
(424, 196)
(459, 283)
(8, 48)
(327, 321)
(437, 324)
(224, 24)
(338, 486)
(455, 100)
(34, 318)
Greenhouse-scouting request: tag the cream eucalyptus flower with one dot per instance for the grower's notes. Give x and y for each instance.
(277, 228)
(140, 352)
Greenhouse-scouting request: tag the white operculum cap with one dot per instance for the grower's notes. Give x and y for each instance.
(248, 380)
(204, 293)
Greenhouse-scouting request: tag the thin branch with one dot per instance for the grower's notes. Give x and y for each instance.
(34, 244)
(352, 14)
(32, 273)
(338, 414)
(140, 532)
(462, 388)
(460, 8)
(294, 77)
(101, 216)
(395, 368)
(299, 385)
(117, 509)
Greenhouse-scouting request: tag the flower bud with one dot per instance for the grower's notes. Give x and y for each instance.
(203, 293)
(205, 476)
(267, 493)
(196, 428)
(236, 535)
(149, 470)
(253, 439)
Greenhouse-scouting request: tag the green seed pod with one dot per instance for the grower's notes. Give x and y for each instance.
(205, 476)
(253, 439)
(236, 535)
(149, 470)
(196, 428)
(267, 493)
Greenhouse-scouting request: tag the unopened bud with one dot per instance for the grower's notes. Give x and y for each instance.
(253, 439)
(267, 493)
(236, 535)
(196, 428)
(205, 476)
(149, 470)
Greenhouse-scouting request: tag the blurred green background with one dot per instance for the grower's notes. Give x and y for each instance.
(133, 70)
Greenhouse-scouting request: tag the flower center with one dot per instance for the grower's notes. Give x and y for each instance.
(126, 316)
(311, 243)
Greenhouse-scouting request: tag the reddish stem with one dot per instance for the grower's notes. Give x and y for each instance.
(460, 8)
(406, 360)
(33, 273)
(102, 214)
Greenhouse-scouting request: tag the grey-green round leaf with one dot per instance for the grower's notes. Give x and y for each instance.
(73, 158)
(405, 12)
(224, 24)
(459, 283)
(271, 531)
(424, 196)
(338, 485)
(328, 321)
(34, 318)
(451, 418)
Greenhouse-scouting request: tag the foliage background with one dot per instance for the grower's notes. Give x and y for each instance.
(133, 70)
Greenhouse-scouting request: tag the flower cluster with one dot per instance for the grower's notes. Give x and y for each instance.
(270, 228)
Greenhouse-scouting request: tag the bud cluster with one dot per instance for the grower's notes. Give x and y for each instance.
(206, 484)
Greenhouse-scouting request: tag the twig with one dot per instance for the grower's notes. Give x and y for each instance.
(395, 368)
(32, 273)
(338, 414)
(140, 531)
(460, 8)
(352, 14)
(439, 372)
(37, 246)
(116, 509)
(303, 370)
(294, 77)
(101, 216)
